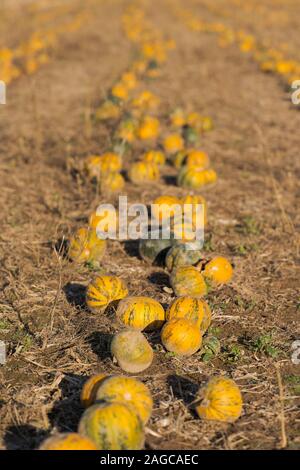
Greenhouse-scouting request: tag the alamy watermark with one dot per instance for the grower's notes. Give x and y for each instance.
(296, 94)
(158, 222)
(2, 353)
(296, 352)
(2, 92)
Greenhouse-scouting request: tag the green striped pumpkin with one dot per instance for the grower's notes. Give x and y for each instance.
(103, 290)
(191, 308)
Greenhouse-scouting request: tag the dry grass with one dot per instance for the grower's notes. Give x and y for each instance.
(54, 343)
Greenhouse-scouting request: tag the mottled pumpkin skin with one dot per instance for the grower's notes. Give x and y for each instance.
(191, 308)
(127, 390)
(141, 313)
(132, 351)
(218, 270)
(152, 250)
(165, 208)
(181, 336)
(187, 280)
(222, 401)
(179, 255)
(103, 290)
(89, 389)
(68, 441)
(141, 172)
(86, 248)
(112, 426)
(194, 178)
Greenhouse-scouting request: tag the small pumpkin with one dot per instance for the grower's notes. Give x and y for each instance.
(153, 251)
(194, 178)
(173, 143)
(127, 130)
(68, 441)
(120, 91)
(141, 313)
(187, 280)
(103, 290)
(89, 389)
(92, 166)
(180, 255)
(218, 271)
(110, 163)
(195, 201)
(181, 336)
(141, 172)
(111, 183)
(132, 351)
(149, 128)
(127, 390)
(146, 101)
(108, 110)
(222, 401)
(129, 79)
(197, 158)
(178, 118)
(154, 156)
(86, 248)
(165, 208)
(191, 308)
(112, 426)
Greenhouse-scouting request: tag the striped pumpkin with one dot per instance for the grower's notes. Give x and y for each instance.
(89, 389)
(68, 441)
(141, 313)
(127, 390)
(132, 351)
(194, 178)
(181, 336)
(86, 248)
(180, 255)
(191, 308)
(112, 426)
(222, 400)
(111, 183)
(141, 172)
(187, 280)
(103, 290)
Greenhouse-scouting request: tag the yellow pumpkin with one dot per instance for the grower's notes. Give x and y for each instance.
(154, 156)
(178, 118)
(165, 208)
(104, 290)
(194, 119)
(110, 163)
(141, 172)
(181, 336)
(111, 183)
(112, 426)
(104, 219)
(86, 248)
(149, 128)
(187, 280)
(120, 91)
(218, 270)
(173, 143)
(196, 200)
(127, 130)
(89, 389)
(129, 79)
(132, 351)
(146, 101)
(141, 313)
(127, 390)
(222, 401)
(191, 308)
(68, 441)
(197, 158)
(194, 178)
(108, 110)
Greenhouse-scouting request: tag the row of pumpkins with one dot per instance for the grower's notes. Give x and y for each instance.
(118, 407)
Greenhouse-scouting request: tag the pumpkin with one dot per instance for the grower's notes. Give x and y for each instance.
(110, 163)
(111, 183)
(194, 119)
(145, 101)
(222, 401)
(141, 313)
(127, 130)
(173, 143)
(120, 91)
(153, 251)
(181, 255)
(141, 172)
(181, 336)
(103, 290)
(105, 219)
(149, 128)
(194, 178)
(86, 248)
(108, 110)
(112, 426)
(92, 166)
(165, 208)
(132, 351)
(68, 441)
(127, 390)
(154, 156)
(129, 79)
(178, 118)
(191, 308)
(187, 280)
(196, 158)
(195, 201)
(89, 389)
(218, 270)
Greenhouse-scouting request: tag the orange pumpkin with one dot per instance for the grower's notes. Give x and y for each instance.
(165, 208)
(149, 128)
(218, 271)
(104, 290)
(173, 143)
(141, 172)
(68, 441)
(89, 389)
(181, 336)
(191, 308)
